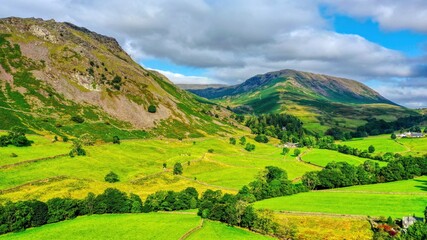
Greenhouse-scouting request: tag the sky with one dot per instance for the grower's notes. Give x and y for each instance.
(382, 43)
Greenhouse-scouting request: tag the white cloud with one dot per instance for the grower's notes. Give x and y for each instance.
(234, 40)
(390, 14)
(183, 79)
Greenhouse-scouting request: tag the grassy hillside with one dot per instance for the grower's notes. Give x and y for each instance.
(126, 226)
(139, 166)
(385, 199)
(51, 72)
(320, 101)
(322, 157)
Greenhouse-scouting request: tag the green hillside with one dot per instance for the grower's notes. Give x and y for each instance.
(67, 80)
(320, 101)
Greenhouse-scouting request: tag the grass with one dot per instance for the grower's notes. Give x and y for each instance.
(372, 200)
(138, 164)
(322, 157)
(218, 231)
(126, 226)
(326, 227)
(41, 148)
(417, 146)
(382, 144)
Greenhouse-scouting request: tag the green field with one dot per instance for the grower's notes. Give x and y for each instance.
(372, 200)
(139, 166)
(322, 157)
(217, 231)
(382, 144)
(123, 226)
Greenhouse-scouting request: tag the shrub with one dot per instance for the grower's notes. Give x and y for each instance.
(152, 109)
(249, 147)
(297, 152)
(177, 169)
(210, 150)
(233, 141)
(116, 140)
(77, 119)
(261, 138)
(111, 177)
(14, 155)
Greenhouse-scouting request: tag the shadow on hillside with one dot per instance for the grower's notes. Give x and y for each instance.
(423, 184)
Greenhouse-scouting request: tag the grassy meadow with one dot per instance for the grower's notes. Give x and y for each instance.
(139, 164)
(386, 199)
(322, 157)
(126, 226)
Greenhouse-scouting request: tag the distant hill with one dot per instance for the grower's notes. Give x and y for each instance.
(200, 86)
(316, 99)
(52, 72)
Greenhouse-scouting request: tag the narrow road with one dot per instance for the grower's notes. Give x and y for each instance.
(193, 230)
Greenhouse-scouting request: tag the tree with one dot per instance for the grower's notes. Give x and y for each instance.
(111, 177)
(112, 201)
(285, 151)
(233, 141)
(136, 203)
(242, 140)
(177, 169)
(39, 212)
(262, 138)
(116, 140)
(393, 136)
(77, 149)
(310, 180)
(164, 165)
(297, 152)
(249, 147)
(152, 109)
(61, 209)
(371, 149)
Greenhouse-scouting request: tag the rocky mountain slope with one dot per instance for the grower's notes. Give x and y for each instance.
(315, 98)
(65, 79)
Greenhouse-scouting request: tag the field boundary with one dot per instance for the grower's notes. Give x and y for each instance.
(364, 217)
(32, 161)
(193, 230)
(46, 180)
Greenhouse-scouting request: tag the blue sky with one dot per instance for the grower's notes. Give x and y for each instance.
(381, 43)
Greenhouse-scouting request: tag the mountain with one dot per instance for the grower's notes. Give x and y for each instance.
(61, 78)
(321, 101)
(200, 86)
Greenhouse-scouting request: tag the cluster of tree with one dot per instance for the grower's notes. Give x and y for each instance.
(272, 182)
(368, 153)
(16, 136)
(236, 210)
(171, 201)
(261, 138)
(282, 126)
(17, 216)
(377, 127)
(342, 174)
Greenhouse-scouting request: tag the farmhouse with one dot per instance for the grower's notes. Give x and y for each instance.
(408, 221)
(411, 135)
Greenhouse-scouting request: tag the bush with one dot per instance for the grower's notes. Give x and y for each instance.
(111, 177)
(14, 155)
(261, 138)
(152, 109)
(249, 147)
(116, 140)
(210, 150)
(297, 152)
(177, 169)
(233, 141)
(77, 119)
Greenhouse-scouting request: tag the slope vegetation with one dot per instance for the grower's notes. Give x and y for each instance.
(316, 99)
(61, 78)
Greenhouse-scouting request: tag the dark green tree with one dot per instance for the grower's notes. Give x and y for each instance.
(116, 140)
(297, 152)
(393, 136)
(285, 150)
(111, 177)
(371, 149)
(233, 141)
(177, 169)
(152, 109)
(242, 140)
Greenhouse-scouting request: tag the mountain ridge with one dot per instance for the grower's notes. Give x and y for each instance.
(60, 70)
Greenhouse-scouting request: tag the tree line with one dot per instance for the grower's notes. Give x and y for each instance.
(343, 174)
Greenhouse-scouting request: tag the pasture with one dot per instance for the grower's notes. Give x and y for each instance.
(139, 165)
(384, 199)
(114, 226)
(322, 157)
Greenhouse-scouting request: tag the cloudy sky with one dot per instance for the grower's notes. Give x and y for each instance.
(382, 43)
